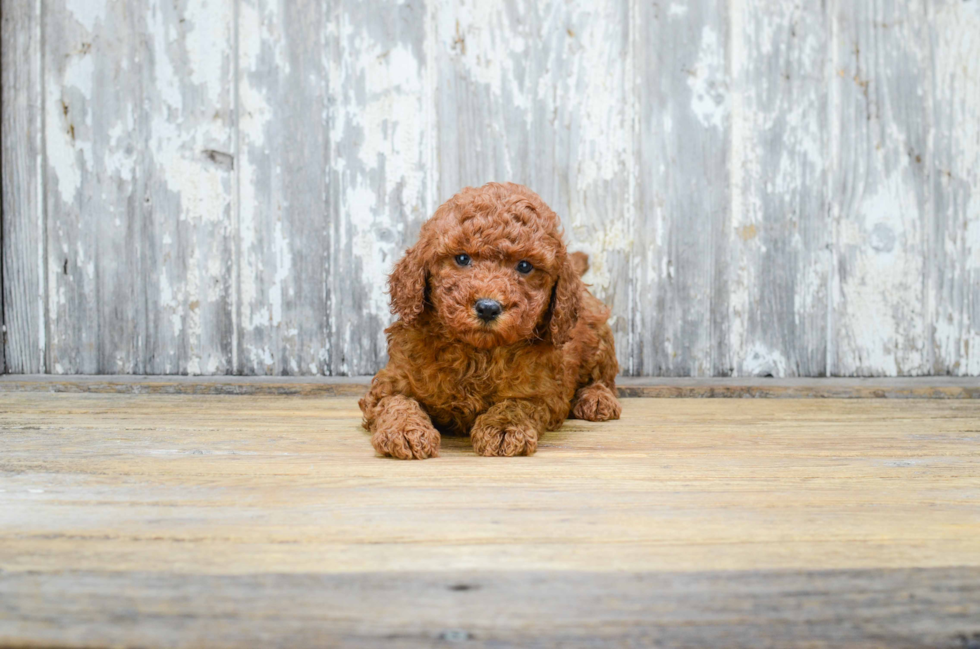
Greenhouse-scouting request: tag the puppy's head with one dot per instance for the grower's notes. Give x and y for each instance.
(492, 267)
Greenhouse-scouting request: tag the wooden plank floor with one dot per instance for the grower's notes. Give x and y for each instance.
(176, 520)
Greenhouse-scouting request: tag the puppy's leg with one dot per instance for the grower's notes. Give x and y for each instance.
(596, 399)
(401, 429)
(596, 402)
(511, 427)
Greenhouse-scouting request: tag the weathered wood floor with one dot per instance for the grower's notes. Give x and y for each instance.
(235, 521)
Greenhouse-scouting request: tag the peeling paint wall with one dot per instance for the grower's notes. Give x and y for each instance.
(773, 188)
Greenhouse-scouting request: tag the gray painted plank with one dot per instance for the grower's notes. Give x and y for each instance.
(779, 232)
(138, 119)
(521, 98)
(582, 133)
(186, 228)
(22, 208)
(680, 249)
(93, 64)
(882, 210)
(954, 255)
(284, 225)
(934, 608)
(485, 88)
(381, 167)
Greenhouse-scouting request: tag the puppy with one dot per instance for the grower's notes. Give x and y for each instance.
(497, 335)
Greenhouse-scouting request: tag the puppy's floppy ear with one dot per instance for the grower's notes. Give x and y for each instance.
(406, 284)
(566, 299)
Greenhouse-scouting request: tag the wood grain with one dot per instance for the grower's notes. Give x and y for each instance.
(381, 166)
(779, 233)
(920, 608)
(95, 187)
(138, 137)
(954, 242)
(285, 220)
(680, 251)
(186, 236)
(882, 211)
(164, 520)
(628, 387)
(21, 210)
(771, 188)
(218, 484)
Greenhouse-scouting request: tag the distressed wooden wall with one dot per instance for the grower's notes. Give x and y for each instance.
(777, 187)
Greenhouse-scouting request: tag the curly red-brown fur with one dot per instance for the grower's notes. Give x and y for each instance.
(548, 353)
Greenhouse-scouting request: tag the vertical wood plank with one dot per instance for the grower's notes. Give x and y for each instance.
(22, 347)
(380, 166)
(284, 224)
(582, 133)
(680, 251)
(138, 130)
(93, 186)
(541, 95)
(954, 258)
(485, 59)
(186, 236)
(779, 219)
(882, 189)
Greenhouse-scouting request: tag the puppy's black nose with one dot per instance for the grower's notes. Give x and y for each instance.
(487, 310)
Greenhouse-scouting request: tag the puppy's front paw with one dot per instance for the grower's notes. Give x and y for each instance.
(410, 441)
(506, 440)
(596, 402)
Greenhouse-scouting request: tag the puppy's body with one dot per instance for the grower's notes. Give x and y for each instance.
(504, 380)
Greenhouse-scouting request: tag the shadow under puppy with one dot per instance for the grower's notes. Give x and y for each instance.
(497, 334)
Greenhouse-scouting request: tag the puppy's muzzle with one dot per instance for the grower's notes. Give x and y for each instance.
(487, 310)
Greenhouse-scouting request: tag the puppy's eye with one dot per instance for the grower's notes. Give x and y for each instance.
(524, 267)
(463, 260)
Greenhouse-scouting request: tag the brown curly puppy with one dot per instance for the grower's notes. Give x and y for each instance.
(498, 337)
